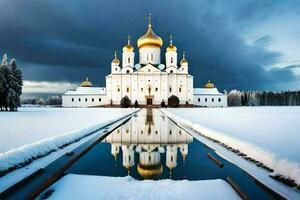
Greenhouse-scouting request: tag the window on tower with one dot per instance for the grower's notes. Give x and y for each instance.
(170, 89)
(128, 60)
(127, 89)
(172, 60)
(151, 57)
(127, 71)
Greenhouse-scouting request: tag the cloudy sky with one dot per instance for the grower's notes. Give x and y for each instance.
(249, 44)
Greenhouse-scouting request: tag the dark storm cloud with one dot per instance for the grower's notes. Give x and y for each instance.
(68, 40)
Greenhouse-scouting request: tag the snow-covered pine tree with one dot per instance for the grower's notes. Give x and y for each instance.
(16, 81)
(4, 86)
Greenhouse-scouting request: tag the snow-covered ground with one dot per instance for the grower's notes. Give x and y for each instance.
(99, 187)
(48, 132)
(270, 135)
(31, 125)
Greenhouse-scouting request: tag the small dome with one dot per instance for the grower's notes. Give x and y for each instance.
(150, 39)
(128, 47)
(86, 83)
(149, 171)
(183, 60)
(209, 85)
(171, 47)
(115, 60)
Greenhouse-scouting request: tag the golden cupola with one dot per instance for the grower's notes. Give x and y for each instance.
(171, 47)
(128, 47)
(209, 85)
(150, 39)
(115, 60)
(86, 83)
(183, 60)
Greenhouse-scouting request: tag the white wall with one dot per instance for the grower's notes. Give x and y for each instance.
(210, 100)
(73, 101)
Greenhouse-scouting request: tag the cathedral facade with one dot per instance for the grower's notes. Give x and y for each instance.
(148, 82)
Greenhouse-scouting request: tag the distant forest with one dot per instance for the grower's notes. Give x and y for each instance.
(235, 98)
(258, 98)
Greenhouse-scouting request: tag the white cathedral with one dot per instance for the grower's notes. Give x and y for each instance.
(149, 82)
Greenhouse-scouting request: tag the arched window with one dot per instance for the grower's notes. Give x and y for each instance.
(127, 89)
(219, 99)
(72, 99)
(128, 59)
(92, 99)
(85, 99)
(79, 99)
(127, 71)
(180, 88)
(212, 99)
(205, 99)
(147, 57)
(99, 99)
(151, 57)
(156, 89)
(171, 71)
(198, 99)
(142, 89)
(170, 89)
(171, 59)
(118, 89)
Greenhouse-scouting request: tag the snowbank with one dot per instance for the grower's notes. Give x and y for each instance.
(30, 125)
(98, 187)
(243, 129)
(21, 156)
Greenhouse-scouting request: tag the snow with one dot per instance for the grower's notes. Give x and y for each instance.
(49, 146)
(74, 186)
(202, 91)
(267, 134)
(87, 90)
(30, 125)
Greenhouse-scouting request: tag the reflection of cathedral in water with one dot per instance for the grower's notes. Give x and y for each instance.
(149, 136)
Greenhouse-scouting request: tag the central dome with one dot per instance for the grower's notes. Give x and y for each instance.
(150, 39)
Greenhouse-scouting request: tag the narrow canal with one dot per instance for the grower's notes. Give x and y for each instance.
(150, 146)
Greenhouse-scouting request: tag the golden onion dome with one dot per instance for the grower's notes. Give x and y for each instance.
(171, 47)
(115, 60)
(183, 60)
(150, 39)
(86, 83)
(128, 47)
(209, 85)
(149, 171)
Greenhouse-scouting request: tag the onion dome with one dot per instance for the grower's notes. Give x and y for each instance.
(86, 83)
(150, 171)
(150, 39)
(171, 47)
(128, 47)
(183, 60)
(115, 60)
(209, 85)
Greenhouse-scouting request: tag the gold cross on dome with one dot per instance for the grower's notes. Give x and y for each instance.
(128, 38)
(149, 19)
(171, 39)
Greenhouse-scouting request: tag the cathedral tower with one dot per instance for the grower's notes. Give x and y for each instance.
(128, 55)
(171, 54)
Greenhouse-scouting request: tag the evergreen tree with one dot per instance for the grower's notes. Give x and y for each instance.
(11, 83)
(16, 80)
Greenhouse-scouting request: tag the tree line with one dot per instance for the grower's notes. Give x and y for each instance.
(263, 98)
(11, 82)
(54, 101)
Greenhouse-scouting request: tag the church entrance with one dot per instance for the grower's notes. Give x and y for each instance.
(149, 101)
